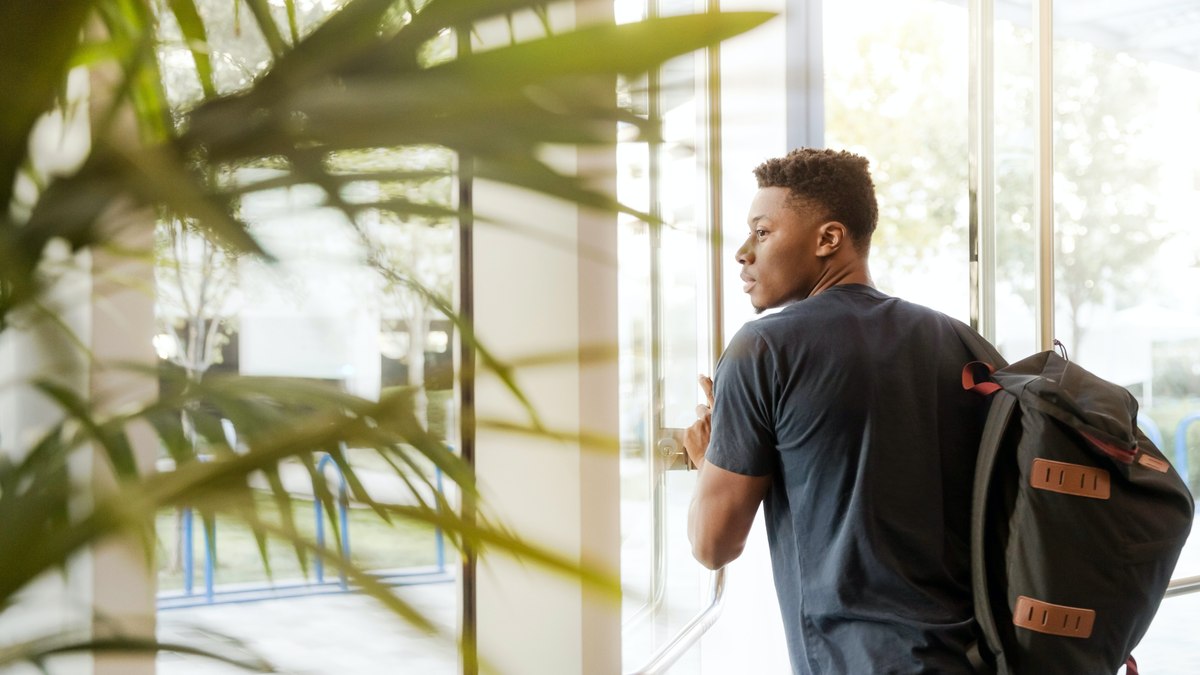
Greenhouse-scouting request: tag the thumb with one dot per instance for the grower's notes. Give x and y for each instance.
(706, 384)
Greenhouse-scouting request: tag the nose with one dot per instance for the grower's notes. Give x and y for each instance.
(745, 254)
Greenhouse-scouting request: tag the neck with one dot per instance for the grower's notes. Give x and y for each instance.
(839, 272)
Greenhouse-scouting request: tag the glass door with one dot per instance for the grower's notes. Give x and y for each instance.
(1126, 251)
(1120, 82)
(666, 342)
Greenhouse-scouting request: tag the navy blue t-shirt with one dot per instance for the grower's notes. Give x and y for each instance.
(852, 401)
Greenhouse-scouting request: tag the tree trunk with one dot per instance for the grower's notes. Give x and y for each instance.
(418, 327)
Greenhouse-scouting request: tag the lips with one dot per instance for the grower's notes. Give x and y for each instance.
(747, 283)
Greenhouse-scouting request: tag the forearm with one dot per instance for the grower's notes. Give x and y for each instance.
(721, 513)
(709, 547)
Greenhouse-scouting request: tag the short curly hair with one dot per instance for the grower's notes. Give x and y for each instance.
(835, 180)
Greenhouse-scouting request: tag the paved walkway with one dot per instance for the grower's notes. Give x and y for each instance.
(345, 634)
(342, 634)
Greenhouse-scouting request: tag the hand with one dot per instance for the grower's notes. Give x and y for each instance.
(695, 437)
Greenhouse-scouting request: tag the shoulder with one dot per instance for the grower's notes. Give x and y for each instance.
(751, 337)
(747, 352)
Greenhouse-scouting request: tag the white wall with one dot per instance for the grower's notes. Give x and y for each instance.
(105, 301)
(535, 294)
(533, 297)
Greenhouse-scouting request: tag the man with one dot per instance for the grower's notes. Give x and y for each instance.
(845, 412)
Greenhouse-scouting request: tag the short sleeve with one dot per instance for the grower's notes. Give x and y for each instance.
(743, 425)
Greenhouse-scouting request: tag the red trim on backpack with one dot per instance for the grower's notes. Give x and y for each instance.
(1131, 666)
(970, 383)
(1120, 454)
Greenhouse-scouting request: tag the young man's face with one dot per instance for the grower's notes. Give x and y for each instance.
(779, 259)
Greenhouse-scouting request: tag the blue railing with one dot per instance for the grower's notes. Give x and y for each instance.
(1181, 449)
(1150, 428)
(343, 503)
(250, 592)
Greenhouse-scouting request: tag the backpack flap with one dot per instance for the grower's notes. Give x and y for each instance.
(1083, 520)
(1101, 411)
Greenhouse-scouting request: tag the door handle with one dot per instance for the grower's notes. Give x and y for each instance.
(1183, 586)
(668, 455)
(690, 634)
(670, 449)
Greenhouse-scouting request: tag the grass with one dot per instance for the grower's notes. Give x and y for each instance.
(374, 544)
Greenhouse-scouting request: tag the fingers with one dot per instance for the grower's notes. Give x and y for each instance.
(706, 384)
(695, 440)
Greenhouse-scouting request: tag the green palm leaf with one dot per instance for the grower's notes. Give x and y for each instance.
(358, 83)
(196, 35)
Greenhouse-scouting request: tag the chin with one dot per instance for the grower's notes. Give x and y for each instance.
(762, 304)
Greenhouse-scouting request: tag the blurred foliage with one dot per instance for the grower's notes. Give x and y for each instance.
(1108, 169)
(327, 99)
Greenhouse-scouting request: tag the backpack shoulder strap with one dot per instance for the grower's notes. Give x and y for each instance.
(999, 415)
(986, 658)
(981, 349)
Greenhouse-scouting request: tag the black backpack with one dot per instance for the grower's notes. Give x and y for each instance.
(1077, 518)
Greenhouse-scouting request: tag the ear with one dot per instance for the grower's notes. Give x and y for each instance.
(831, 237)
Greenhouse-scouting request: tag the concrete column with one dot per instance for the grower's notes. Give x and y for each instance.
(548, 288)
(117, 577)
(107, 302)
(103, 308)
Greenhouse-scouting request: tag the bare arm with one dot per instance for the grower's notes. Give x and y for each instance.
(724, 503)
(722, 511)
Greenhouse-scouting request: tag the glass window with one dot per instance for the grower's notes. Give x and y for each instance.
(896, 92)
(331, 308)
(663, 313)
(1126, 187)
(1127, 252)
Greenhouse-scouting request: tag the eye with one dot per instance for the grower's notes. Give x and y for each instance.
(760, 233)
